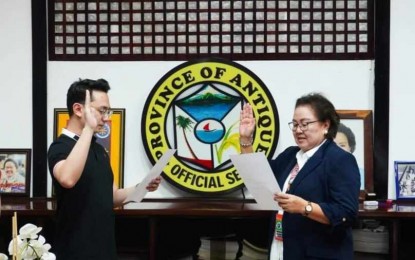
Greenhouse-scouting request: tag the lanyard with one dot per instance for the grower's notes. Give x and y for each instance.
(279, 215)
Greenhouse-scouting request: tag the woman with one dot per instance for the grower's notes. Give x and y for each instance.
(319, 182)
(12, 181)
(346, 140)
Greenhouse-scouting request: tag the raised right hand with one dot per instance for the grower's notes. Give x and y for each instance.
(247, 122)
(90, 113)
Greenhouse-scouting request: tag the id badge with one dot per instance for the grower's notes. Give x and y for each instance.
(278, 226)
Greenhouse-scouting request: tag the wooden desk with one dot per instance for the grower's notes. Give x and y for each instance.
(149, 207)
(27, 206)
(394, 215)
(193, 208)
(190, 208)
(153, 210)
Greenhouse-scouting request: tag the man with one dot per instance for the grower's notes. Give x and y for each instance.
(83, 177)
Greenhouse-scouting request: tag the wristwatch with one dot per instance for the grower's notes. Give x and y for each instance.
(308, 208)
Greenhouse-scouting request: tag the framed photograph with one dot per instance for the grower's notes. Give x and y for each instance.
(405, 180)
(15, 165)
(112, 138)
(355, 135)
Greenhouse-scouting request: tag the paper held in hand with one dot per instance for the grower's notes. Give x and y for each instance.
(258, 178)
(140, 190)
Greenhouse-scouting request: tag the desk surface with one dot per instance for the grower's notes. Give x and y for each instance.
(187, 207)
(396, 210)
(150, 207)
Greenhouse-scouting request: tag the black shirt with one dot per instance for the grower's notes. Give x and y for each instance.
(85, 216)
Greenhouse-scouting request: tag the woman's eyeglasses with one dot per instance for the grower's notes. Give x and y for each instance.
(303, 125)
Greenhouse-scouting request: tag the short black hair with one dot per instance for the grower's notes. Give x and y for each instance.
(324, 110)
(351, 139)
(12, 161)
(77, 90)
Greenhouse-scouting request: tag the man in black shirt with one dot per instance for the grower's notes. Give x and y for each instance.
(83, 178)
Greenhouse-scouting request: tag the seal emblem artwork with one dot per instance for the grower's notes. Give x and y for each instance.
(195, 109)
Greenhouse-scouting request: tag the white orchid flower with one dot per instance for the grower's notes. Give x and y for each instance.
(29, 254)
(39, 246)
(30, 245)
(29, 231)
(20, 246)
(48, 256)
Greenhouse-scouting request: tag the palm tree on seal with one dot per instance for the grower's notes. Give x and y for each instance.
(186, 124)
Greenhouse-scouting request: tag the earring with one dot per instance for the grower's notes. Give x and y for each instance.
(326, 132)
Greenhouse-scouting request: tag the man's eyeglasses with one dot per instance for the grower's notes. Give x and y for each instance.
(105, 112)
(303, 125)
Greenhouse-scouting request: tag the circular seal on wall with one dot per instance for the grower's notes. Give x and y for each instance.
(195, 109)
(104, 132)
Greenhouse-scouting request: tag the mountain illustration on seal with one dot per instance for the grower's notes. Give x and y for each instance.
(203, 118)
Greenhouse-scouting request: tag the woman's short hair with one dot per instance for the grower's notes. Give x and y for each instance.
(12, 161)
(351, 139)
(324, 110)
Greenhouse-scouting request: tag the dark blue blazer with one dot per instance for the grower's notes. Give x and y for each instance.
(330, 178)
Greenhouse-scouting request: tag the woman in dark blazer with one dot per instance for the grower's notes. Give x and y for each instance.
(319, 181)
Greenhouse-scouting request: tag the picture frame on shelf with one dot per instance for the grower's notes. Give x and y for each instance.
(405, 180)
(358, 125)
(112, 138)
(15, 171)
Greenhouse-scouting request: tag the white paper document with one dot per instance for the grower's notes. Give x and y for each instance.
(258, 177)
(140, 190)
